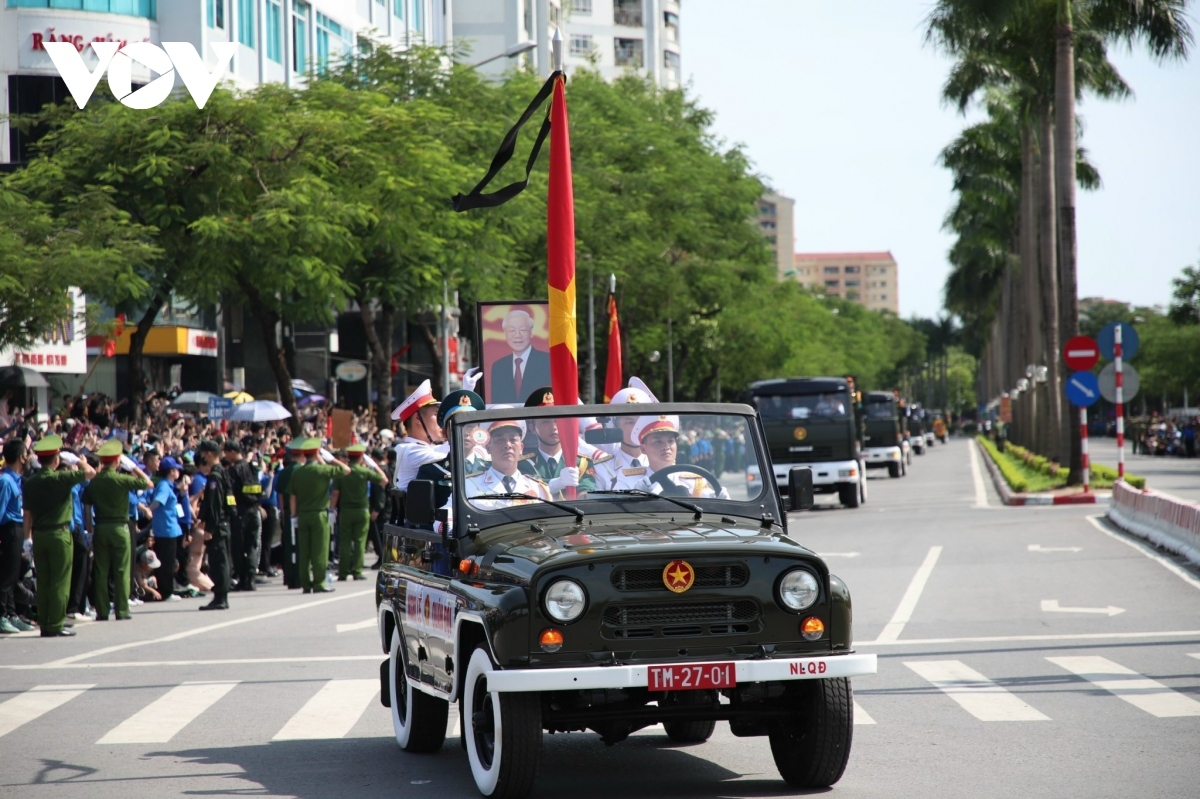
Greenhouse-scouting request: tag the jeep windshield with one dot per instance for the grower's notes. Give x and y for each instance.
(630, 458)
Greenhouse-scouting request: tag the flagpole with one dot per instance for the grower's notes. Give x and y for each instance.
(592, 332)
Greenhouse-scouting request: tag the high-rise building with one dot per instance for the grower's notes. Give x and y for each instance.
(278, 40)
(868, 278)
(775, 220)
(609, 36)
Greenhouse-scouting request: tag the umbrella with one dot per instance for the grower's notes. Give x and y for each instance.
(192, 401)
(239, 397)
(259, 411)
(309, 399)
(20, 377)
(303, 385)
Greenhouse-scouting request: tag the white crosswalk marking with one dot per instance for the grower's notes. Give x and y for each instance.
(332, 713)
(40, 699)
(977, 695)
(861, 716)
(162, 719)
(1141, 692)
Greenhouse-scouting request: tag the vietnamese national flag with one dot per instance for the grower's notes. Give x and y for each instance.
(615, 376)
(560, 273)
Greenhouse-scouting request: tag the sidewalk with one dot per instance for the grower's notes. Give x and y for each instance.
(1179, 477)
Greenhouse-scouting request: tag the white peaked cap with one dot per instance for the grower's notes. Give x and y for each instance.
(422, 396)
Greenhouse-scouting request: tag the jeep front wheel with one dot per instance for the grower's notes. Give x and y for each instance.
(418, 719)
(503, 732)
(811, 747)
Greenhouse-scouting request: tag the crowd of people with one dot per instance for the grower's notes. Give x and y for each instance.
(1173, 436)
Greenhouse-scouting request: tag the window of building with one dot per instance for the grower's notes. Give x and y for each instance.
(132, 8)
(418, 16)
(671, 23)
(581, 44)
(273, 29)
(767, 224)
(832, 270)
(216, 14)
(329, 35)
(833, 284)
(766, 208)
(629, 53)
(398, 8)
(852, 270)
(581, 6)
(671, 60)
(853, 283)
(627, 12)
(300, 35)
(883, 296)
(246, 23)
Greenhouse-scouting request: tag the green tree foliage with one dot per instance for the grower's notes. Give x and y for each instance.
(1185, 298)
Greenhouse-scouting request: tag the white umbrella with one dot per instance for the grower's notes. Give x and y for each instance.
(193, 400)
(259, 411)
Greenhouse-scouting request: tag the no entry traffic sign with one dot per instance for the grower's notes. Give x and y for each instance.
(1083, 389)
(1081, 354)
(1129, 341)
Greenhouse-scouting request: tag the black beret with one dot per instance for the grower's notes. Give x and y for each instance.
(232, 446)
(208, 445)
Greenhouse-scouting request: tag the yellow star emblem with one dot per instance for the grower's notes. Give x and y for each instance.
(678, 576)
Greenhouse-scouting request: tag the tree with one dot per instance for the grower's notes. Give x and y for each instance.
(1185, 297)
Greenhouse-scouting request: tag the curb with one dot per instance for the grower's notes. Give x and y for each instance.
(1014, 499)
(1163, 520)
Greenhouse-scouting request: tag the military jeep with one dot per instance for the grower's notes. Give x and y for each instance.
(673, 597)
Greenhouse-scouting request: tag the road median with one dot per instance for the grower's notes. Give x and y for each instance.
(1164, 520)
(1014, 495)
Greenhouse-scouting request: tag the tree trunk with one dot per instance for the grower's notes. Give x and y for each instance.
(1064, 152)
(137, 345)
(381, 356)
(1048, 269)
(1031, 294)
(268, 320)
(431, 338)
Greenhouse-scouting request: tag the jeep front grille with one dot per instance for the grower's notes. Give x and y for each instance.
(681, 619)
(729, 575)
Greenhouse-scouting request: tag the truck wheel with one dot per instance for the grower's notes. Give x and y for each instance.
(849, 495)
(812, 747)
(691, 732)
(418, 719)
(904, 467)
(893, 470)
(503, 732)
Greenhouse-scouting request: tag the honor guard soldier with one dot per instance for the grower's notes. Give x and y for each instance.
(439, 473)
(425, 442)
(658, 437)
(627, 467)
(245, 528)
(545, 460)
(351, 498)
(309, 489)
(217, 507)
(503, 477)
(48, 505)
(107, 495)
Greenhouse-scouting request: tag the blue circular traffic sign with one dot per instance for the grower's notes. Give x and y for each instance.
(1107, 340)
(1083, 389)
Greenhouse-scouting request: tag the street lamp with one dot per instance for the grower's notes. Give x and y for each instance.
(511, 52)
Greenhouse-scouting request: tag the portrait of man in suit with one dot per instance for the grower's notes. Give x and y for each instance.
(521, 366)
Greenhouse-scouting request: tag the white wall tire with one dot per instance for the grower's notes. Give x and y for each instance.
(418, 719)
(503, 733)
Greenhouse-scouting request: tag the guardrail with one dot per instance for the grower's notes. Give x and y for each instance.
(1169, 522)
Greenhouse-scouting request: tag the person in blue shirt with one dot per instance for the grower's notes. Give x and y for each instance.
(166, 513)
(198, 581)
(270, 504)
(81, 563)
(12, 534)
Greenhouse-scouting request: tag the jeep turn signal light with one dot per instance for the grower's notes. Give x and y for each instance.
(812, 628)
(468, 566)
(551, 640)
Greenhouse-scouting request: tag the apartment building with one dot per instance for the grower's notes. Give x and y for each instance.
(868, 278)
(776, 215)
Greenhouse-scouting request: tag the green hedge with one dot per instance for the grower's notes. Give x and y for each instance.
(1109, 474)
(1102, 476)
(1016, 481)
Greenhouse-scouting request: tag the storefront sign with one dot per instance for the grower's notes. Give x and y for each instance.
(37, 29)
(202, 342)
(61, 350)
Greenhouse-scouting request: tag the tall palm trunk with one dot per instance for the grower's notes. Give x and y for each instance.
(1030, 285)
(1064, 152)
(1048, 269)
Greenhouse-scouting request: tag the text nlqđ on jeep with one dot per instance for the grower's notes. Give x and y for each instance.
(665, 594)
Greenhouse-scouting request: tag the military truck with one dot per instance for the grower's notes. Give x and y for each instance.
(811, 421)
(884, 440)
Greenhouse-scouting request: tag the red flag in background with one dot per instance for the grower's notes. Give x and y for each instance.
(560, 275)
(614, 378)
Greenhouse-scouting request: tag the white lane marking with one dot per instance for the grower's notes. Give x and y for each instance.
(861, 716)
(37, 701)
(981, 499)
(908, 602)
(209, 628)
(1052, 606)
(358, 625)
(162, 719)
(332, 712)
(138, 664)
(1040, 548)
(1149, 552)
(452, 729)
(975, 693)
(1141, 692)
(1000, 639)
(838, 554)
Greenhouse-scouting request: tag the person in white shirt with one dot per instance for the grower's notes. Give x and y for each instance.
(425, 442)
(627, 467)
(505, 445)
(658, 437)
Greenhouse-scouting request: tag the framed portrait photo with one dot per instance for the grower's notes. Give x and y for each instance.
(514, 349)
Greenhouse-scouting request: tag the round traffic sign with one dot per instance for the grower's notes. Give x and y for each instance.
(1083, 389)
(1081, 353)
(1129, 341)
(1130, 382)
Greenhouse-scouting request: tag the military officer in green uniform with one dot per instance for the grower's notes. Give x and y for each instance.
(108, 496)
(48, 505)
(353, 503)
(309, 489)
(545, 459)
(217, 506)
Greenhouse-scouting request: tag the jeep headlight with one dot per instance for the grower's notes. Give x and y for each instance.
(565, 600)
(798, 590)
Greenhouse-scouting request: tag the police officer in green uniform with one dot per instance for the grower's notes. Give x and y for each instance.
(544, 459)
(217, 506)
(246, 525)
(108, 497)
(352, 501)
(48, 505)
(309, 489)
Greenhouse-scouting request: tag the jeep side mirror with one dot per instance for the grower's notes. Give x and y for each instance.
(800, 488)
(418, 506)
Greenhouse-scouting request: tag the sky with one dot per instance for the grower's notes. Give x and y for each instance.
(838, 106)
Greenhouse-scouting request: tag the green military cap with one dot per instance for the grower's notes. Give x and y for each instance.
(110, 450)
(456, 401)
(356, 449)
(540, 397)
(309, 446)
(48, 447)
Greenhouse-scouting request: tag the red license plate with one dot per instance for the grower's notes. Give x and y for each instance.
(691, 677)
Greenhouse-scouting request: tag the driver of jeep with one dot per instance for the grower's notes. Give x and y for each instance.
(659, 440)
(505, 446)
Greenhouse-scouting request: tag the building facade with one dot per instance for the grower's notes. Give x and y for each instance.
(868, 278)
(278, 40)
(776, 215)
(611, 37)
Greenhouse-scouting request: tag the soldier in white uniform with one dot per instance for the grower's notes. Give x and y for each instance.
(627, 468)
(658, 437)
(505, 445)
(425, 442)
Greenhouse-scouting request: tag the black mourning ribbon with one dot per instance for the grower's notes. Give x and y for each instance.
(476, 198)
